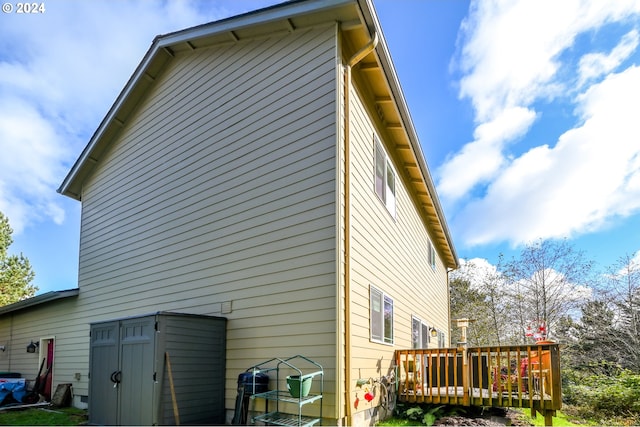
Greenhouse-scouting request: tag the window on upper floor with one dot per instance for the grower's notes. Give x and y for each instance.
(385, 179)
(419, 333)
(381, 316)
(432, 255)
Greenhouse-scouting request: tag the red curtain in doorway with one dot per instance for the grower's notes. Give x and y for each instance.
(49, 370)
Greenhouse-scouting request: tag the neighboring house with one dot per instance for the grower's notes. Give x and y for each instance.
(41, 321)
(264, 168)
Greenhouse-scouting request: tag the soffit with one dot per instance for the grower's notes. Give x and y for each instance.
(377, 74)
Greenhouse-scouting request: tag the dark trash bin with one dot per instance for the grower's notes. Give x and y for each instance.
(10, 375)
(249, 383)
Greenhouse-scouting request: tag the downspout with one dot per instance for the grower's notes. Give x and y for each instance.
(450, 325)
(10, 343)
(357, 57)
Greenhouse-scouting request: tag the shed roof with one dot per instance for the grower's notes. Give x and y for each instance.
(358, 21)
(38, 300)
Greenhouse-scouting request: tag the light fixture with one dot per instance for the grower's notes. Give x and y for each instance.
(434, 332)
(3, 348)
(31, 348)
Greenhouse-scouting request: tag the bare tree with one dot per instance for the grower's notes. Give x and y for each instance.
(548, 281)
(477, 292)
(624, 291)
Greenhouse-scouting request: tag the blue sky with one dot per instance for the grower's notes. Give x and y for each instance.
(528, 113)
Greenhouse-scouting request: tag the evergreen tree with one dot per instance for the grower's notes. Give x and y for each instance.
(16, 273)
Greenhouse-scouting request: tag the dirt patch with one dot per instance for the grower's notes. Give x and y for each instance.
(494, 417)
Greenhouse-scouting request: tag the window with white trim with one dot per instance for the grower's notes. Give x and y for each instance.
(419, 333)
(432, 256)
(439, 335)
(385, 179)
(381, 316)
(441, 342)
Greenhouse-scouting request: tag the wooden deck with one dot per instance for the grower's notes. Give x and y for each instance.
(507, 376)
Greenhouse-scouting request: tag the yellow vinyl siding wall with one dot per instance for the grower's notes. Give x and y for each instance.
(390, 254)
(55, 319)
(221, 191)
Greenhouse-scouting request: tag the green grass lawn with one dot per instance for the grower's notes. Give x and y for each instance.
(560, 420)
(396, 422)
(43, 417)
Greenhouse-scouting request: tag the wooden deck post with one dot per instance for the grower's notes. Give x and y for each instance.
(463, 324)
(548, 415)
(466, 369)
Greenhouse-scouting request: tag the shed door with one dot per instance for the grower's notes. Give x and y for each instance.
(103, 397)
(137, 341)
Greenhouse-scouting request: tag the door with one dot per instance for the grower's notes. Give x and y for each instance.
(135, 400)
(49, 345)
(103, 369)
(46, 360)
(121, 370)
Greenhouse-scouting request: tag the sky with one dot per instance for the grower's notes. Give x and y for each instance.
(528, 114)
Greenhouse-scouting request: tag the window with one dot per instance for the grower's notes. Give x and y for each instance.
(441, 342)
(381, 317)
(432, 256)
(436, 333)
(385, 179)
(419, 333)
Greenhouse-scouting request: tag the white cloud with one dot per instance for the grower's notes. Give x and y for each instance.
(477, 271)
(515, 58)
(511, 48)
(480, 160)
(590, 175)
(31, 162)
(594, 65)
(59, 74)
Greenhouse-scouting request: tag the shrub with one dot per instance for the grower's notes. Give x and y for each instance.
(425, 414)
(604, 398)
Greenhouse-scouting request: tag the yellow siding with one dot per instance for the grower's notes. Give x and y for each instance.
(221, 188)
(221, 195)
(52, 320)
(388, 253)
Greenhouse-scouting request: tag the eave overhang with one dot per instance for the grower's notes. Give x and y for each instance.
(357, 22)
(394, 113)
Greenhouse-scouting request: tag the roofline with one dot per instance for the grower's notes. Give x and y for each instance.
(38, 300)
(264, 15)
(161, 46)
(275, 12)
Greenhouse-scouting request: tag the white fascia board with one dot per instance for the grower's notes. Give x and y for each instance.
(262, 16)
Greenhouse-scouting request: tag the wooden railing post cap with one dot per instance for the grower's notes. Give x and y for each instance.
(463, 322)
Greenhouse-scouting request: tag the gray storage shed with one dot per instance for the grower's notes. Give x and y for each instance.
(129, 377)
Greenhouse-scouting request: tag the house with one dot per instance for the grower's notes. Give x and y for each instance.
(264, 168)
(29, 333)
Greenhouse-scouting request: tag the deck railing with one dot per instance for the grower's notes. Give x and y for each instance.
(508, 376)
